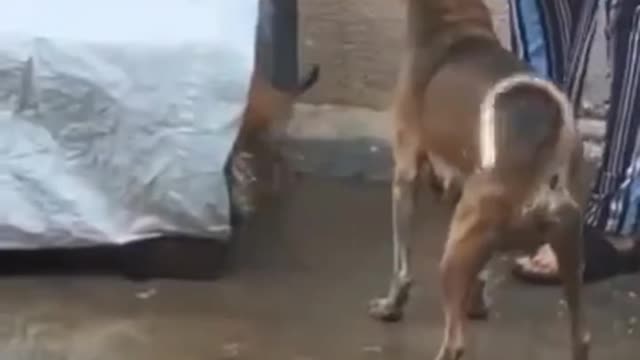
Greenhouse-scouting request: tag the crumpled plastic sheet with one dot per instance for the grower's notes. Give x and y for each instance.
(117, 118)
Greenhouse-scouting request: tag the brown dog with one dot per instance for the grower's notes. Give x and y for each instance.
(254, 159)
(255, 163)
(481, 124)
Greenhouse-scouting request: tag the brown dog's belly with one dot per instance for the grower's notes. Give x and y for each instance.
(449, 128)
(448, 143)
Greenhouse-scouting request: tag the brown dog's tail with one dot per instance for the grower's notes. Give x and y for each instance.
(308, 81)
(267, 104)
(527, 125)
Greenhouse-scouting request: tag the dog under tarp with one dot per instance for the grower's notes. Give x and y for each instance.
(117, 118)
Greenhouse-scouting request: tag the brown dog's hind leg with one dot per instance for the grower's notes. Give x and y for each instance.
(477, 308)
(565, 238)
(404, 190)
(468, 248)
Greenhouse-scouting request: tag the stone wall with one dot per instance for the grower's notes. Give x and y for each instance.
(357, 43)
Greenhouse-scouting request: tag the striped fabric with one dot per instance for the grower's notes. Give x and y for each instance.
(568, 29)
(616, 201)
(529, 37)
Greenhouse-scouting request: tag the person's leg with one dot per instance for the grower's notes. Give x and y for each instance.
(611, 13)
(582, 32)
(626, 206)
(623, 160)
(615, 199)
(623, 122)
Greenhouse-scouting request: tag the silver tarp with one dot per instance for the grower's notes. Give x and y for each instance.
(117, 117)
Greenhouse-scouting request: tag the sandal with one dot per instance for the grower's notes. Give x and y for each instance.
(602, 261)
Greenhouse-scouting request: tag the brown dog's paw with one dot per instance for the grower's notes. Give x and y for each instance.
(478, 312)
(242, 184)
(478, 308)
(385, 310)
(450, 354)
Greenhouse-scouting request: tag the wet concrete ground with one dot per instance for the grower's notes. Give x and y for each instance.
(299, 279)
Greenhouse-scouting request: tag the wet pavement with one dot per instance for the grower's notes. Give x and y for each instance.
(298, 282)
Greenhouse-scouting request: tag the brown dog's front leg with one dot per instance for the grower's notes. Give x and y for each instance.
(566, 240)
(390, 308)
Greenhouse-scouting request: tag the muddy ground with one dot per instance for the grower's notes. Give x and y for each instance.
(295, 287)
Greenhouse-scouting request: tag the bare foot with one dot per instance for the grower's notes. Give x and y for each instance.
(605, 256)
(544, 263)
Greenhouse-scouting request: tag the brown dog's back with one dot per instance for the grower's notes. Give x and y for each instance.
(528, 119)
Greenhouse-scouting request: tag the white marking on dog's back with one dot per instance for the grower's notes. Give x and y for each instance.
(487, 132)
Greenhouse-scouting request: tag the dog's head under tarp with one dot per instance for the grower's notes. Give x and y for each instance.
(118, 118)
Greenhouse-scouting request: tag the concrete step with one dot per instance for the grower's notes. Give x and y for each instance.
(349, 123)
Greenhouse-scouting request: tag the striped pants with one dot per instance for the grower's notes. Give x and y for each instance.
(555, 37)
